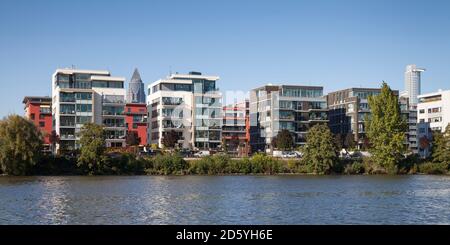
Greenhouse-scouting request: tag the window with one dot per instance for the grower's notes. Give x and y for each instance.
(84, 108)
(115, 84)
(41, 124)
(422, 120)
(32, 116)
(99, 84)
(67, 109)
(41, 116)
(183, 87)
(135, 126)
(83, 119)
(83, 96)
(422, 111)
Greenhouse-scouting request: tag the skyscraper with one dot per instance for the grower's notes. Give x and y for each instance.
(136, 93)
(412, 83)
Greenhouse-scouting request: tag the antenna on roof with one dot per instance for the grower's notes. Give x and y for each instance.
(73, 66)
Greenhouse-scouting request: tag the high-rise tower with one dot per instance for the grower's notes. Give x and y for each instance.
(136, 93)
(412, 83)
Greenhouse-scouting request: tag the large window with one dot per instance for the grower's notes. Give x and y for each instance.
(83, 119)
(84, 108)
(99, 84)
(301, 92)
(66, 97)
(172, 101)
(67, 109)
(83, 96)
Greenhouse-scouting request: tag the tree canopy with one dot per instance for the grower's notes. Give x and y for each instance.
(320, 152)
(441, 147)
(20, 145)
(386, 129)
(284, 140)
(93, 146)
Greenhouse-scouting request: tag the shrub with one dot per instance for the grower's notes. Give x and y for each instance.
(166, 165)
(261, 163)
(354, 168)
(241, 166)
(432, 168)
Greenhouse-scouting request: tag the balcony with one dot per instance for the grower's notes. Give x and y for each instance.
(67, 137)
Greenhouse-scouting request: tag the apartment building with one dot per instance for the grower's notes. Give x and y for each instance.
(292, 107)
(188, 104)
(409, 112)
(236, 128)
(136, 108)
(349, 108)
(38, 110)
(434, 108)
(83, 96)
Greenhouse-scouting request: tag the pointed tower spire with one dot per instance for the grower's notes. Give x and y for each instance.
(136, 78)
(136, 92)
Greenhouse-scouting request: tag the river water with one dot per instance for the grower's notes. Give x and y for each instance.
(225, 200)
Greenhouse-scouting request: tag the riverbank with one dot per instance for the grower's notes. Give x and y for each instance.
(259, 164)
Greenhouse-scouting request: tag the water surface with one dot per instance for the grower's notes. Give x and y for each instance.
(225, 200)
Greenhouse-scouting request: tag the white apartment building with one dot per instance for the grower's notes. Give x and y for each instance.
(434, 108)
(188, 104)
(82, 96)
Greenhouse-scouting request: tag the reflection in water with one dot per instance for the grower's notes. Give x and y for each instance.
(225, 200)
(54, 201)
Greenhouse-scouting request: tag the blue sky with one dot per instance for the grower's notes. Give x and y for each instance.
(336, 44)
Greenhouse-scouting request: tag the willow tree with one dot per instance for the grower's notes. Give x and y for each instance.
(20, 145)
(320, 152)
(386, 129)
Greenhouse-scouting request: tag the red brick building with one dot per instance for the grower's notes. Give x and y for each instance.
(236, 128)
(38, 110)
(136, 120)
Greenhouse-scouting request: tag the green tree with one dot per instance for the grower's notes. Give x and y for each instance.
(20, 145)
(92, 148)
(386, 129)
(441, 147)
(320, 152)
(284, 140)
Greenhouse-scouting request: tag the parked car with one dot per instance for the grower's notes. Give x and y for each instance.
(202, 154)
(289, 154)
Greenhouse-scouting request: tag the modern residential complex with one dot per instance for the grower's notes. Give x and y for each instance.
(434, 108)
(236, 128)
(412, 83)
(38, 109)
(277, 107)
(188, 104)
(82, 96)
